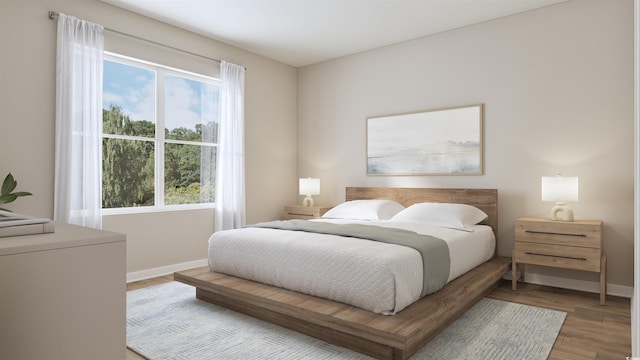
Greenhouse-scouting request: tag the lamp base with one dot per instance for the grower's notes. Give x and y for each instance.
(308, 201)
(564, 210)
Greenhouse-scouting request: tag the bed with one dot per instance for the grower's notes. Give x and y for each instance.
(381, 336)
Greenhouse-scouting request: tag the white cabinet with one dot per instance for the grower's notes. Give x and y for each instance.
(63, 295)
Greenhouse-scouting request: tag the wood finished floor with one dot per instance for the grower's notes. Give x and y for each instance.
(590, 331)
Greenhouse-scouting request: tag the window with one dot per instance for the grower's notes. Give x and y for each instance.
(159, 136)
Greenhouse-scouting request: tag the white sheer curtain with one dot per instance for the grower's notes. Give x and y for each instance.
(230, 198)
(78, 198)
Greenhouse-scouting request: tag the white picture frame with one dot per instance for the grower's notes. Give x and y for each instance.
(446, 141)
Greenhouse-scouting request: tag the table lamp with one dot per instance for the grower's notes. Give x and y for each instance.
(560, 189)
(309, 187)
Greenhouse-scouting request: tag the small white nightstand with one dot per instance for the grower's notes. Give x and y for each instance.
(304, 212)
(570, 245)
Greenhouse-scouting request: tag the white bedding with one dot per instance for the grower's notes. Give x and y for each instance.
(379, 277)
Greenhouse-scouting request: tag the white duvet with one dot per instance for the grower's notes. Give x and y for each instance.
(379, 277)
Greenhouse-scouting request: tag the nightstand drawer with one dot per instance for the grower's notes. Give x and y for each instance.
(304, 212)
(578, 233)
(578, 258)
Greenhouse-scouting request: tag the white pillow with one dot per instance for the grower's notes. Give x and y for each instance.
(365, 210)
(456, 216)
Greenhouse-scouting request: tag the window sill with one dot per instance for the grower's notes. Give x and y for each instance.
(154, 209)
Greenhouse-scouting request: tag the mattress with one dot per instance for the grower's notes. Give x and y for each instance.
(379, 277)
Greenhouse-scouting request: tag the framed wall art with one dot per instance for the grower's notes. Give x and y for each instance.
(434, 142)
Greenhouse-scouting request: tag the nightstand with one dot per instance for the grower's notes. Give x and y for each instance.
(571, 245)
(304, 212)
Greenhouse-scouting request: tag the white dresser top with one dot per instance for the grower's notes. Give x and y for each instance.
(65, 236)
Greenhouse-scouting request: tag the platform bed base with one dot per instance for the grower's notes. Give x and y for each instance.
(380, 336)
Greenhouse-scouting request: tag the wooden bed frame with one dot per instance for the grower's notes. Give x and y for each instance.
(381, 336)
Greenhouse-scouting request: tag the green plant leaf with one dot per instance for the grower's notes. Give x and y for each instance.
(7, 198)
(5, 210)
(22, 193)
(8, 185)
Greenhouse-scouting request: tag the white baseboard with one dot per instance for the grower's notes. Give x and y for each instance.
(580, 285)
(164, 270)
(571, 284)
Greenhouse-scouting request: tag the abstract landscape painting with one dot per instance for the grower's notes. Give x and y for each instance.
(436, 142)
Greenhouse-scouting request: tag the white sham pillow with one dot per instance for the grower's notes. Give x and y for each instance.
(365, 210)
(455, 216)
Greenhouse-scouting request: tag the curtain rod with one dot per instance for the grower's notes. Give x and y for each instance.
(53, 14)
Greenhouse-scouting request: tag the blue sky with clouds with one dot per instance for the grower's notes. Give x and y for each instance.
(134, 90)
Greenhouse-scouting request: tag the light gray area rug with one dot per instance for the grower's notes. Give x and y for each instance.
(167, 322)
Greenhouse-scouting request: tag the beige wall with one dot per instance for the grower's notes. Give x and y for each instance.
(27, 100)
(557, 84)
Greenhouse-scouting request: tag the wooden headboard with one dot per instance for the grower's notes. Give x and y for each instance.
(484, 199)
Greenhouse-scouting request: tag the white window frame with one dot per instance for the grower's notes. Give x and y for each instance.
(159, 140)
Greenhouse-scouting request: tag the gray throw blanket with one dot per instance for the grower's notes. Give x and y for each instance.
(434, 251)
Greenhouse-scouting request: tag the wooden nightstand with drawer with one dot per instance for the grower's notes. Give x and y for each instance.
(304, 212)
(571, 245)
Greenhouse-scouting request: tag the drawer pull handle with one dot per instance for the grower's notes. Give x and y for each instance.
(300, 214)
(553, 233)
(556, 256)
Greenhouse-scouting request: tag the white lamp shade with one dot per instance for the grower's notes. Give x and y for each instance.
(309, 186)
(559, 188)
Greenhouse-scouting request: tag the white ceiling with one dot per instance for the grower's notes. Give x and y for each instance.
(303, 32)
